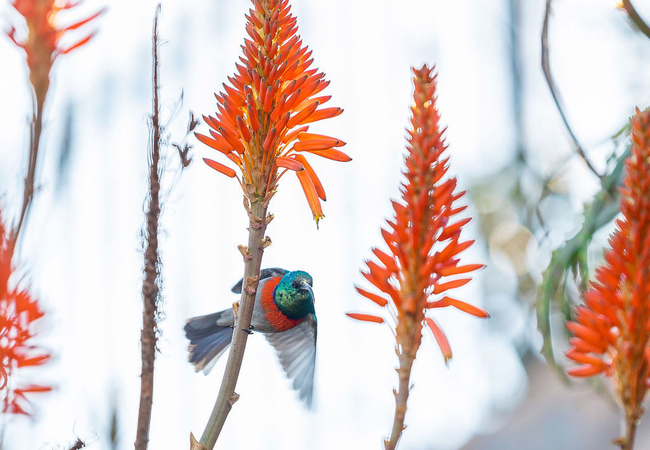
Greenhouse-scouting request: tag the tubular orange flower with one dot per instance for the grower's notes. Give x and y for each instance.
(18, 312)
(263, 113)
(423, 244)
(44, 38)
(611, 329)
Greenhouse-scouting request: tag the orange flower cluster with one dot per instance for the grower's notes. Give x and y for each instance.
(18, 312)
(411, 273)
(611, 330)
(262, 120)
(43, 42)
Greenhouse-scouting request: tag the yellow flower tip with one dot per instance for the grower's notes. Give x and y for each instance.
(318, 218)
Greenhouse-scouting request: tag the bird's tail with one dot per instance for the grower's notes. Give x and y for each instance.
(208, 340)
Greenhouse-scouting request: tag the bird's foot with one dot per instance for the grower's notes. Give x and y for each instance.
(249, 330)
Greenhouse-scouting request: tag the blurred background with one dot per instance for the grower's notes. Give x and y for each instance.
(82, 249)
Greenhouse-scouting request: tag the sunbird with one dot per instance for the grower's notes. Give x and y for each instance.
(284, 312)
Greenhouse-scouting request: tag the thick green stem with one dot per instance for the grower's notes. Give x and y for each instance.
(253, 262)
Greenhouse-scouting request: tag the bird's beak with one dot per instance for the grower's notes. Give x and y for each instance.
(307, 287)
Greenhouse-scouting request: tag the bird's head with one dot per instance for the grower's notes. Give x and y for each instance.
(294, 296)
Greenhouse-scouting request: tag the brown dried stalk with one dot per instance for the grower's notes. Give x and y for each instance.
(151, 283)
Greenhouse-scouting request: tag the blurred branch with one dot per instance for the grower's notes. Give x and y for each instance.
(78, 445)
(635, 17)
(546, 66)
(35, 131)
(573, 254)
(151, 283)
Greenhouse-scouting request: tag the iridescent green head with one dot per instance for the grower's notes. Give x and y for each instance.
(293, 295)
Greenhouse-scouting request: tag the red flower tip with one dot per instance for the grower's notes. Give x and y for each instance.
(611, 328)
(45, 38)
(265, 111)
(18, 314)
(423, 238)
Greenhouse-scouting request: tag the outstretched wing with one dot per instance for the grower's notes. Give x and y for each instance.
(297, 352)
(265, 273)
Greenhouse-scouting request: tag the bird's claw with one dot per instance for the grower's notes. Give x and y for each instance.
(249, 330)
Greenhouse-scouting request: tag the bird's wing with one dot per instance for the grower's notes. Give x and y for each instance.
(297, 352)
(265, 273)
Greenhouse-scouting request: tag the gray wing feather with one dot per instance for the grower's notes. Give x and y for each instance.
(297, 352)
(265, 273)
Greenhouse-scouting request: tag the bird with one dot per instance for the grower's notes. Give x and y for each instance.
(284, 312)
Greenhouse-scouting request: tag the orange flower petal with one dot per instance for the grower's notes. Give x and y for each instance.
(381, 301)
(586, 334)
(332, 154)
(270, 138)
(387, 260)
(321, 114)
(78, 44)
(220, 145)
(439, 288)
(465, 307)
(584, 358)
(585, 371)
(76, 25)
(446, 271)
(315, 144)
(365, 317)
(303, 116)
(451, 230)
(311, 195)
(312, 136)
(35, 361)
(294, 134)
(312, 175)
(441, 339)
(289, 163)
(227, 171)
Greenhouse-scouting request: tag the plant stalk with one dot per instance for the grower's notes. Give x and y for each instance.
(151, 283)
(629, 426)
(252, 265)
(35, 132)
(406, 358)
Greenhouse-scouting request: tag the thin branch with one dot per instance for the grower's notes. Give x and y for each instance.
(406, 358)
(151, 283)
(36, 129)
(78, 445)
(635, 17)
(253, 261)
(546, 66)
